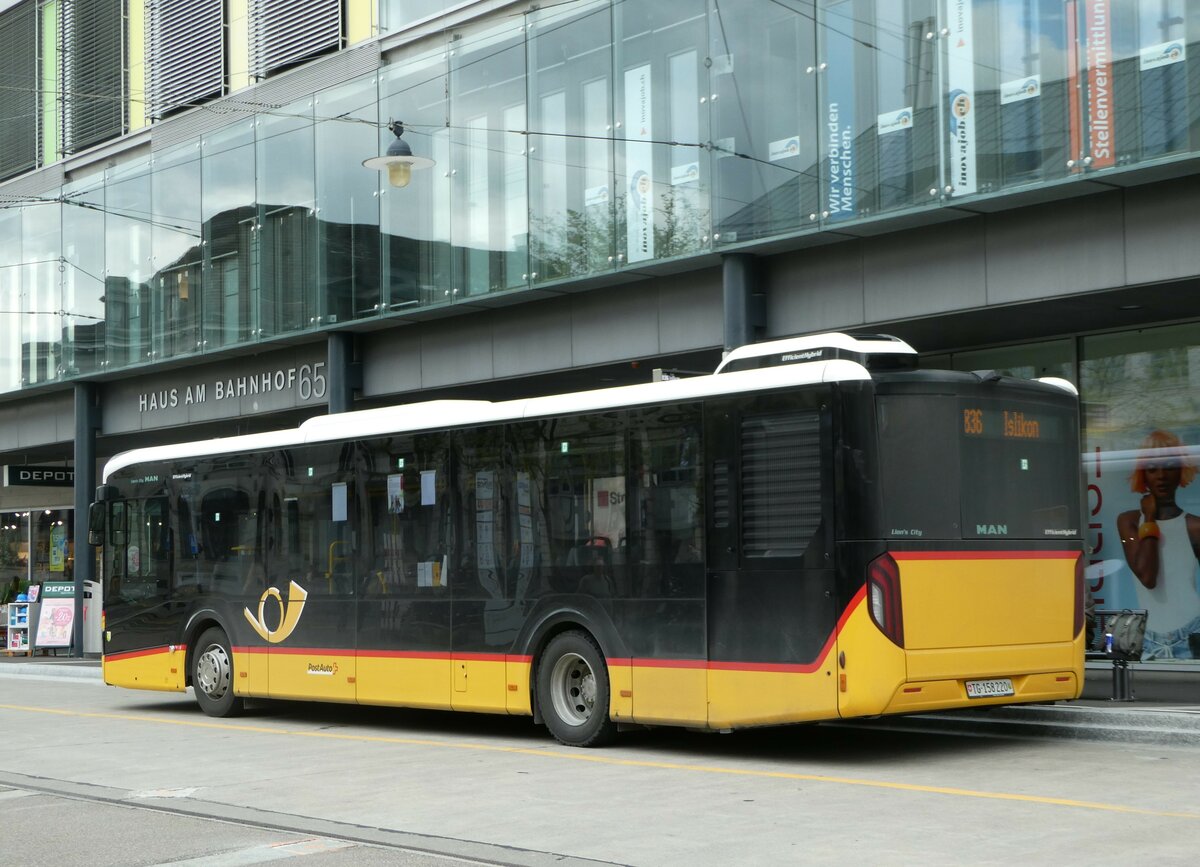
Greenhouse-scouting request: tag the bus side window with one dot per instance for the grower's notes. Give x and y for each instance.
(667, 530)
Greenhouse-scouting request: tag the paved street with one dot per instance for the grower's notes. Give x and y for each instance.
(101, 776)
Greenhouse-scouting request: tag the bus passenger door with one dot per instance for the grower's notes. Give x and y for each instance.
(311, 654)
(772, 615)
(142, 628)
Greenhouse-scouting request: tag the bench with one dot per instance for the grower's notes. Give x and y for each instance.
(1099, 647)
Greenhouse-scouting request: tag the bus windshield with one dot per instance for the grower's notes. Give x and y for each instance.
(962, 467)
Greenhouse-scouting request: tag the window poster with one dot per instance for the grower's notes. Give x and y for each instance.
(639, 165)
(839, 111)
(1098, 39)
(960, 97)
(1141, 465)
(58, 548)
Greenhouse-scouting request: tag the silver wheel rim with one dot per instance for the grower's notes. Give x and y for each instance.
(213, 672)
(573, 689)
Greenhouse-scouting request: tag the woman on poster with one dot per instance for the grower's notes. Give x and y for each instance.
(1162, 544)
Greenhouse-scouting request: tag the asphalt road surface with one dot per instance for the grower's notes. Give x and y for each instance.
(91, 775)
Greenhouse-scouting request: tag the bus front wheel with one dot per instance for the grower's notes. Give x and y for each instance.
(212, 675)
(573, 691)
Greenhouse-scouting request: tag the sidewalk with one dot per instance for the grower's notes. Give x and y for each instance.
(1165, 709)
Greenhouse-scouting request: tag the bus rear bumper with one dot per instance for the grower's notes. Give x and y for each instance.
(933, 695)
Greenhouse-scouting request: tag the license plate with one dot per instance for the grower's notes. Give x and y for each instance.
(1001, 686)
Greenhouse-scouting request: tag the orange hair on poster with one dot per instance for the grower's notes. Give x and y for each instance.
(1161, 445)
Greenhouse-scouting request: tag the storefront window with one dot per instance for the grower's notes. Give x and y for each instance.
(41, 291)
(415, 220)
(229, 218)
(127, 245)
(904, 149)
(37, 545)
(10, 299)
(53, 545)
(662, 175)
(176, 289)
(287, 221)
(488, 161)
(83, 275)
(570, 160)
(1141, 404)
(347, 201)
(397, 14)
(14, 548)
(1027, 361)
(765, 119)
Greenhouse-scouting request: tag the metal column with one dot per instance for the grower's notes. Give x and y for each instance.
(87, 424)
(345, 374)
(744, 306)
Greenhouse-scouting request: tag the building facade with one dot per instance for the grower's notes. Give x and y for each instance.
(190, 245)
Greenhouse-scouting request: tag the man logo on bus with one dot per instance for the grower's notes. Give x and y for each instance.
(991, 529)
(289, 616)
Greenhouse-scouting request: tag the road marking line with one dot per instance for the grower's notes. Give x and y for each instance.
(163, 793)
(580, 756)
(10, 794)
(263, 854)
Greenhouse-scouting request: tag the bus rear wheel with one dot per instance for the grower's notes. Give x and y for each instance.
(212, 675)
(573, 691)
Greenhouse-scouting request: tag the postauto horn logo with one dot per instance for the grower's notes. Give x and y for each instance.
(290, 612)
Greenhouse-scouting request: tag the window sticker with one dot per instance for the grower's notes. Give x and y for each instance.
(339, 501)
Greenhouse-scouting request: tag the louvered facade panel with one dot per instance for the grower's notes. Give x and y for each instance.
(185, 53)
(284, 32)
(781, 489)
(92, 53)
(18, 95)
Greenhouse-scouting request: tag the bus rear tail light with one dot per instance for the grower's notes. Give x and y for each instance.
(883, 594)
(1080, 597)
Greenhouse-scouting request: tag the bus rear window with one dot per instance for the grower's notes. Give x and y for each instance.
(955, 467)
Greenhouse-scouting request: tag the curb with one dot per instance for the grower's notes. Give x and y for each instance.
(1176, 727)
(54, 671)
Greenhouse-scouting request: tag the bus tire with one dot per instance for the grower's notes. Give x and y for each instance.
(212, 675)
(573, 691)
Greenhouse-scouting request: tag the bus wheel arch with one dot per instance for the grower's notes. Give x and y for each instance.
(211, 672)
(572, 688)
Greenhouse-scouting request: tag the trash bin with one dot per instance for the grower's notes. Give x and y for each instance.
(93, 604)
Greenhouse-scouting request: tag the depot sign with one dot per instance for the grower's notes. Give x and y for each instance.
(39, 477)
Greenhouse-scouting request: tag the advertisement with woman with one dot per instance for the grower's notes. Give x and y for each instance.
(1145, 533)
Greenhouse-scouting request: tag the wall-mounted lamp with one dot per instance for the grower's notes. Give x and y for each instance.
(399, 161)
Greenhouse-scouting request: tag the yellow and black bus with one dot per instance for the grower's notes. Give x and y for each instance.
(816, 531)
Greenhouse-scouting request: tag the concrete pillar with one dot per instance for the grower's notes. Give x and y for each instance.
(744, 303)
(345, 374)
(87, 424)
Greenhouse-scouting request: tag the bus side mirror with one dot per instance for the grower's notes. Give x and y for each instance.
(96, 516)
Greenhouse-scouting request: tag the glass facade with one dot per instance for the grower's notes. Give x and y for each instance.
(575, 141)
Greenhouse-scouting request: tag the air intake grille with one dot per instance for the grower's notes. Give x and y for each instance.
(781, 488)
(284, 32)
(93, 71)
(185, 53)
(18, 93)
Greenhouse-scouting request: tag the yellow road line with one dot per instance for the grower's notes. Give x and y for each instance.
(602, 759)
